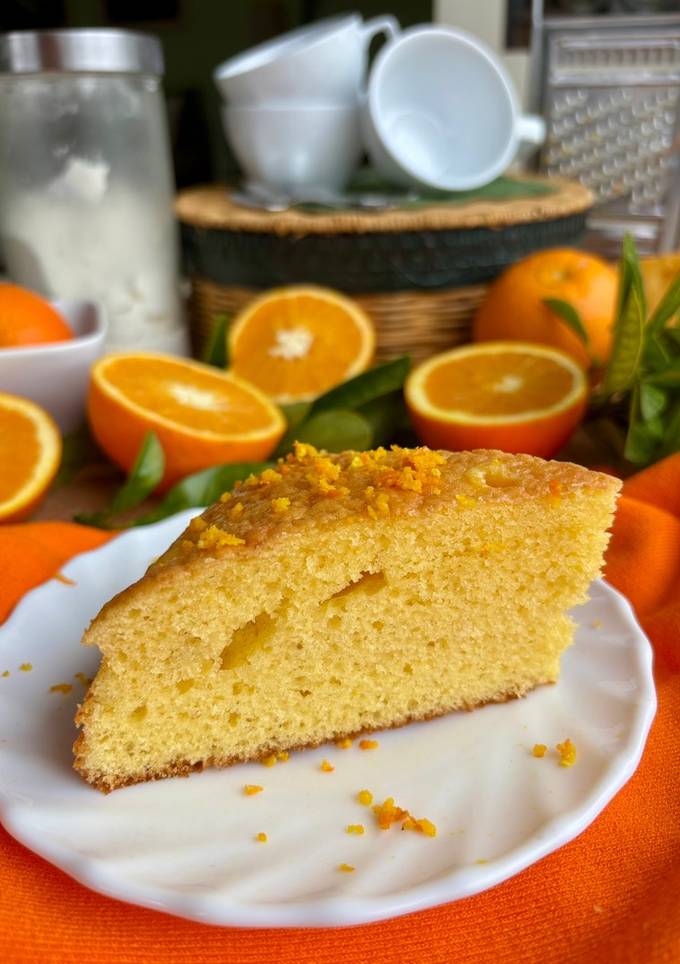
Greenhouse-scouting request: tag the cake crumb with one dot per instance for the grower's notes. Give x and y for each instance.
(344, 744)
(250, 789)
(26, 667)
(368, 744)
(327, 767)
(64, 688)
(346, 868)
(262, 837)
(268, 761)
(356, 828)
(539, 750)
(567, 752)
(365, 798)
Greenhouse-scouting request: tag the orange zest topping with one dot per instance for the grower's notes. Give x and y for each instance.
(26, 667)
(261, 837)
(346, 868)
(387, 813)
(216, 538)
(250, 789)
(356, 828)
(327, 767)
(365, 798)
(368, 744)
(567, 752)
(539, 750)
(268, 761)
(280, 505)
(236, 510)
(343, 744)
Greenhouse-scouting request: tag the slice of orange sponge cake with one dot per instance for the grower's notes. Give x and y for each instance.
(342, 593)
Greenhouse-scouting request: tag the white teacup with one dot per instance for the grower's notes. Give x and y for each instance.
(295, 148)
(324, 61)
(442, 113)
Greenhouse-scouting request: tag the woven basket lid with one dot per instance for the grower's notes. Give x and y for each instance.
(211, 206)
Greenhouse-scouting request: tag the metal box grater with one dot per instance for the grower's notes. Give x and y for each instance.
(609, 89)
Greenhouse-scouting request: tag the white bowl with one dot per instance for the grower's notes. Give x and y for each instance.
(324, 60)
(56, 375)
(441, 112)
(289, 148)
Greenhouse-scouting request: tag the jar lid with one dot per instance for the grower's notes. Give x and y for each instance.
(74, 51)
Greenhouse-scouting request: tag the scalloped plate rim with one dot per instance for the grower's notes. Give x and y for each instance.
(336, 911)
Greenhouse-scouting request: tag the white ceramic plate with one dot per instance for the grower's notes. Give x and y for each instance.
(186, 846)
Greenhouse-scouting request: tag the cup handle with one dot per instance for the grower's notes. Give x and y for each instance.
(386, 24)
(530, 129)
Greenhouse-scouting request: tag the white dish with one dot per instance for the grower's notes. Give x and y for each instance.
(441, 112)
(57, 375)
(294, 148)
(324, 61)
(185, 846)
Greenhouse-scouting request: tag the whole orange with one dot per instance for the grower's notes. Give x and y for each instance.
(27, 319)
(514, 307)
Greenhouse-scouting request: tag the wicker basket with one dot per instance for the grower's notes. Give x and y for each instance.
(416, 323)
(420, 273)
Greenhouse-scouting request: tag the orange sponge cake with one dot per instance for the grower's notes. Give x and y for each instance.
(337, 594)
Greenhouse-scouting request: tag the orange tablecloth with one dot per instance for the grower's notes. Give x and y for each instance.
(611, 895)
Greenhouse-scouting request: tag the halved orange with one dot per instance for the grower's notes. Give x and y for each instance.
(295, 343)
(202, 416)
(30, 450)
(508, 395)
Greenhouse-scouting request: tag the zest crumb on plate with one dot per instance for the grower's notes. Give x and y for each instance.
(365, 798)
(344, 744)
(327, 767)
(262, 837)
(539, 750)
(250, 789)
(82, 678)
(64, 688)
(26, 667)
(368, 744)
(356, 828)
(5, 673)
(346, 868)
(388, 813)
(567, 752)
(268, 761)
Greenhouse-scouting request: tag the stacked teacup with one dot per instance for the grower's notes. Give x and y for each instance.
(292, 104)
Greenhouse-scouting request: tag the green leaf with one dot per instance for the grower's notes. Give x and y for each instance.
(201, 489)
(363, 388)
(569, 315)
(673, 335)
(627, 345)
(632, 261)
(216, 352)
(668, 379)
(78, 450)
(386, 416)
(336, 430)
(295, 412)
(144, 476)
(653, 401)
(640, 446)
(658, 351)
(667, 307)
(671, 443)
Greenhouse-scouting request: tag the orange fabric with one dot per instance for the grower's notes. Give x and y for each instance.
(611, 895)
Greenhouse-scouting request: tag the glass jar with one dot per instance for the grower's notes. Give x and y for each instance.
(86, 184)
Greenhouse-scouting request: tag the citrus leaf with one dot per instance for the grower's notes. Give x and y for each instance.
(386, 416)
(144, 476)
(201, 489)
(631, 259)
(667, 307)
(653, 401)
(668, 379)
(295, 412)
(640, 446)
(363, 388)
(216, 352)
(627, 346)
(569, 315)
(658, 351)
(671, 442)
(336, 430)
